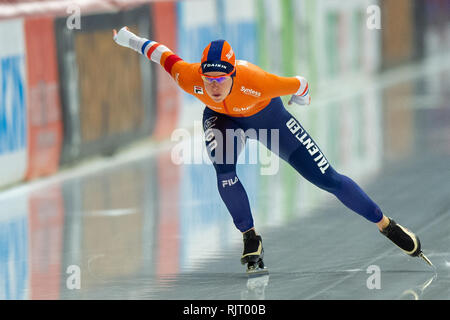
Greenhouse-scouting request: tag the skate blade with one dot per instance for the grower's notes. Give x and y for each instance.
(257, 271)
(424, 257)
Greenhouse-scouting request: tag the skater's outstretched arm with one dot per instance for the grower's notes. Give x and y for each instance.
(153, 50)
(184, 73)
(156, 52)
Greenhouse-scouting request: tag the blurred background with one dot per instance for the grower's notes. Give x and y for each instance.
(86, 175)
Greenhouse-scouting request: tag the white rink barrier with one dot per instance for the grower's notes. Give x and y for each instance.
(20, 8)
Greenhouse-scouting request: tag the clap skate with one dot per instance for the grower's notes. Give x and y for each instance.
(253, 253)
(405, 240)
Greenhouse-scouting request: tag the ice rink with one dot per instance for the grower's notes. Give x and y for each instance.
(139, 226)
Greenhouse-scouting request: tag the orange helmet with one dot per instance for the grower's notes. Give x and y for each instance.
(218, 56)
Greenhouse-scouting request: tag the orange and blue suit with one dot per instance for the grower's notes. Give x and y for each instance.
(254, 109)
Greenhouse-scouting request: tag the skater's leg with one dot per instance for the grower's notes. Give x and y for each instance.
(223, 153)
(316, 169)
(299, 149)
(223, 149)
(343, 187)
(303, 154)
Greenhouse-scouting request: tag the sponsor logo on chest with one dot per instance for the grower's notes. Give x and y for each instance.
(237, 109)
(198, 90)
(250, 92)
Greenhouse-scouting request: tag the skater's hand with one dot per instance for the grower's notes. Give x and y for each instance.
(301, 100)
(302, 96)
(123, 37)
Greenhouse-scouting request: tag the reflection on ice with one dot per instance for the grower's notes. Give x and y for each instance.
(417, 291)
(256, 287)
(14, 250)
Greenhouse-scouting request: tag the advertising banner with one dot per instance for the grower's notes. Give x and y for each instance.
(397, 32)
(108, 92)
(168, 94)
(44, 109)
(13, 110)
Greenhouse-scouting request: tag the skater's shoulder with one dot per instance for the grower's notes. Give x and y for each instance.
(246, 66)
(186, 72)
(249, 72)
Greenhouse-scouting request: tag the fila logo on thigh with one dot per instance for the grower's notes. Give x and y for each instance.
(307, 142)
(229, 182)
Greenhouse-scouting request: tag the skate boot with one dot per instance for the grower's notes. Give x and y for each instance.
(253, 253)
(405, 240)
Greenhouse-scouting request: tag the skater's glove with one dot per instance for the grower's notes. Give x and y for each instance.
(128, 39)
(301, 100)
(302, 96)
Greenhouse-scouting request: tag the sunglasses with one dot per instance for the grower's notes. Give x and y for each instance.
(220, 79)
(211, 79)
